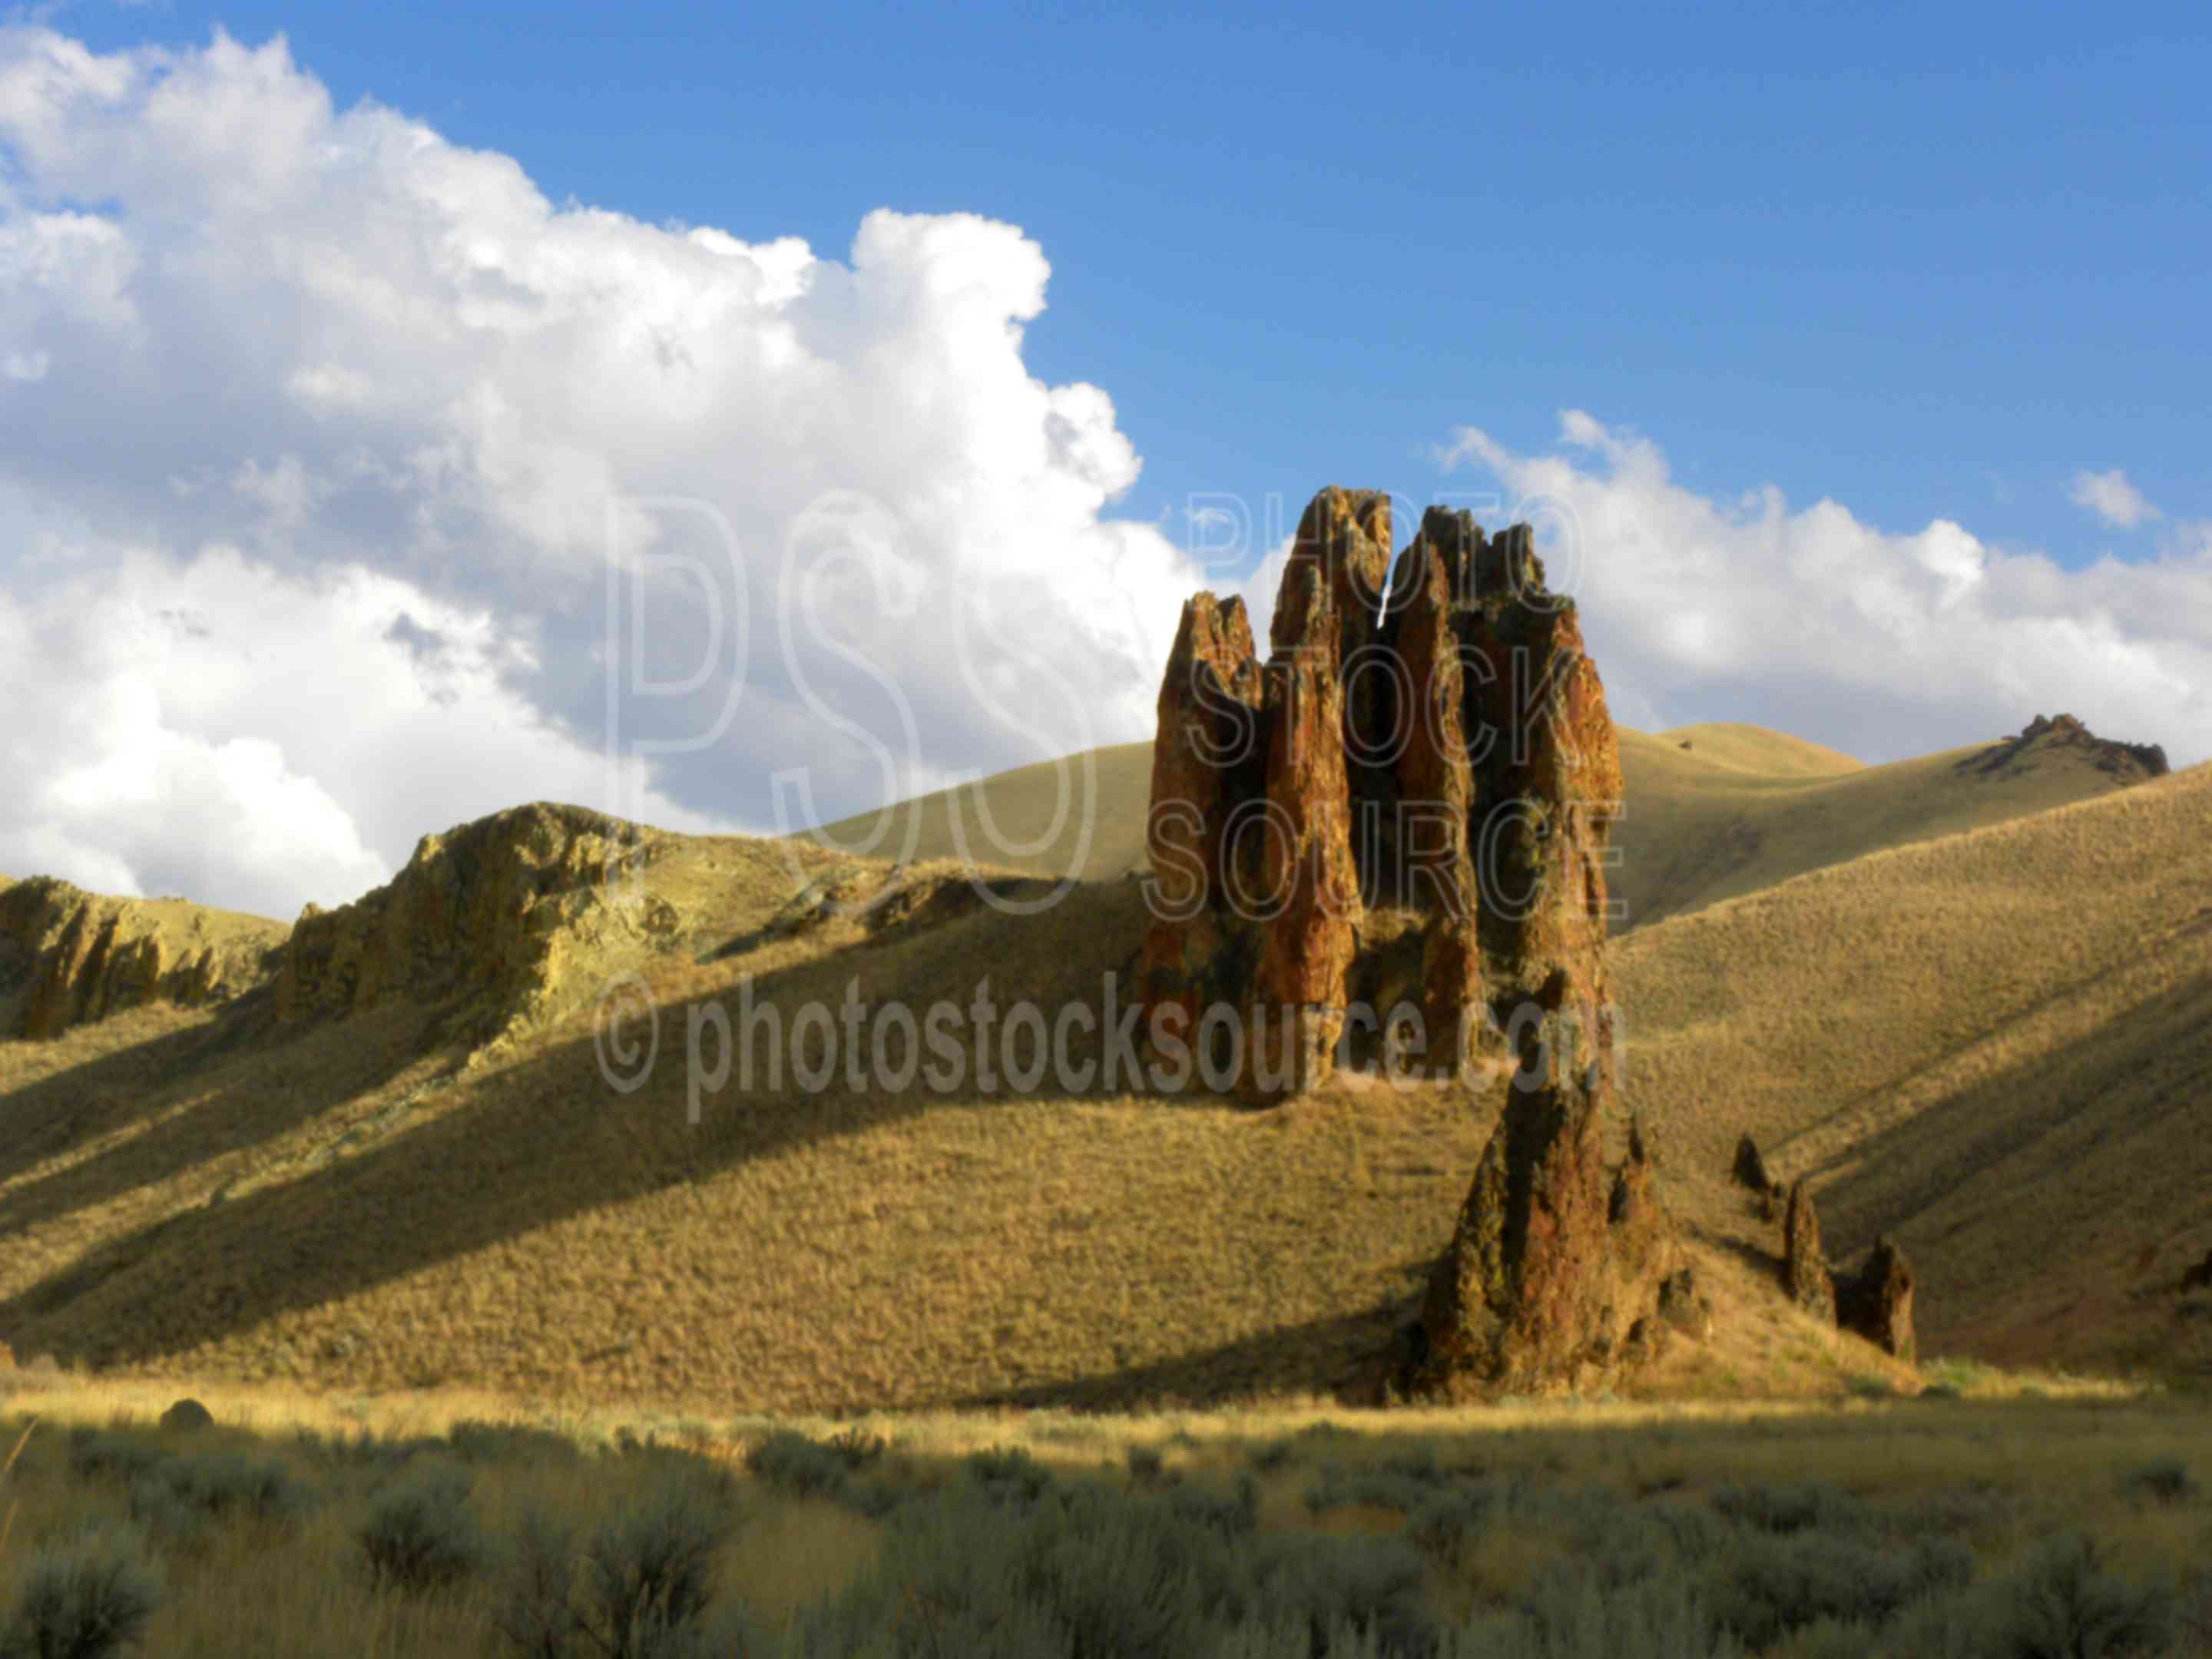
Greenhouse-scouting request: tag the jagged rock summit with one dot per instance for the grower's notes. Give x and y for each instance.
(1398, 824)
(507, 917)
(2130, 762)
(68, 958)
(1405, 807)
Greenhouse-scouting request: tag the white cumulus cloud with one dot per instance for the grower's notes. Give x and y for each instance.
(1881, 643)
(419, 494)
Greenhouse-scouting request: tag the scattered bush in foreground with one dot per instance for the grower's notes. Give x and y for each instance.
(2065, 1606)
(103, 1454)
(643, 1586)
(83, 1600)
(2163, 1481)
(646, 1570)
(418, 1535)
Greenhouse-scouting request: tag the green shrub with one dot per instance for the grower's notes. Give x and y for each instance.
(1080, 1569)
(1444, 1524)
(1374, 1585)
(474, 1441)
(1009, 1476)
(534, 1610)
(104, 1455)
(418, 1535)
(1229, 1518)
(808, 1468)
(2162, 1480)
(1570, 1616)
(2063, 1605)
(225, 1485)
(1804, 1506)
(83, 1600)
(1775, 1586)
(646, 1570)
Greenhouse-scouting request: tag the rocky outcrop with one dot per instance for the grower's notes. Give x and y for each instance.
(1751, 1171)
(68, 958)
(1408, 803)
(2199, 1277)
(1684, 1306)
(1805, 1276)
(1549, 1281)
(1877, 1301)
(2130, 762)
(508, 916)
(1422, 771)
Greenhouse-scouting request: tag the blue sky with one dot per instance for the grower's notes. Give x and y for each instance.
(367, 374)
(1929, 263)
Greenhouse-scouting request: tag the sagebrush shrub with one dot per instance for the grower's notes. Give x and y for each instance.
(83, 1600)
(474, 1441)
(646, 1570)
(2064, 1605)
(793, 1463)
(418, 1535)
(104, 1455)
(2162, 1480)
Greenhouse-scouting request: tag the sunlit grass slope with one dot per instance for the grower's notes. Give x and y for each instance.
(1997, 1045)
(1739, 809)
(1994, 1044)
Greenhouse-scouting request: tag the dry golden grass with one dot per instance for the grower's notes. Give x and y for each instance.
(1741, 809)
(347, 1206)
(1997, 1045)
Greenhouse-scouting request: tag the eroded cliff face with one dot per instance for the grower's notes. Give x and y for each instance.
(69, 958)
(512, 916)
(1400, 822)
(1407, 803)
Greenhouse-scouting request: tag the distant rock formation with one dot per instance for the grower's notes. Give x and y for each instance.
(1750, 1167)
(2199, 1277)
(494, 914)
(1805, 1276)
(1876, 1302)
(1409, 801)
(69, 958)
(2130, 762)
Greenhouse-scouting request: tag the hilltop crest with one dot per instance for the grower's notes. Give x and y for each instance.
(68, 958)
(2130, 762)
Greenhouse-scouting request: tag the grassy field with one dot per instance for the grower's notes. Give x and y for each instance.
(2015, 1515)
(348, 1205)
(848, 1345)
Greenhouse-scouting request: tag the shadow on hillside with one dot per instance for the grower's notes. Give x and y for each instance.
(194, 1094)
(1342, 1354)
(530, 1146)
(2095, 1150)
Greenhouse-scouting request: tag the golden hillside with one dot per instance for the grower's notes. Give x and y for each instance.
(1997, 1045)
(1983, 1042)
(1712, 811)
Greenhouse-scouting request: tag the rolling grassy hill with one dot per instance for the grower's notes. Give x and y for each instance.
(1712, 811)
(1991, 1044)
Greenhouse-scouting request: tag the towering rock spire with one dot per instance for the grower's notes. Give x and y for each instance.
(1413, 794)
